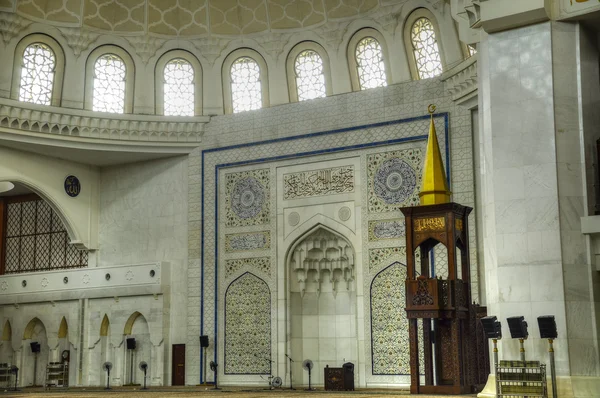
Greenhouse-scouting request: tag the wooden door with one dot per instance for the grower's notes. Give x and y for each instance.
(178, 365)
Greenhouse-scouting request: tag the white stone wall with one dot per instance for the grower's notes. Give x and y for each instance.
(345, 111)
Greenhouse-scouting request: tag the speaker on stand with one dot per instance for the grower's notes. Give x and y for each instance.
(547, 326)
(131, 345)
(35, 349)
(204, 346)
(107, 366)
(144, 368)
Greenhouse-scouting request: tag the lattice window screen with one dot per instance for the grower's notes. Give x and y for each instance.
(36, 240)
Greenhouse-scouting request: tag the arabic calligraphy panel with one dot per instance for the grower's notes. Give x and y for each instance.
(386, 229)
(251, 241)
(332, 181)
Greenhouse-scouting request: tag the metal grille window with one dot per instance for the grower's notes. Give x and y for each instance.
(36, 240)
(310, 78)
(246, 87)
(109, 84)
(37, 74)
(425, 49)
(179, 88)
(369, 60)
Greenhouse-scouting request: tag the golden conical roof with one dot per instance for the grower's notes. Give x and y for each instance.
(434, 187)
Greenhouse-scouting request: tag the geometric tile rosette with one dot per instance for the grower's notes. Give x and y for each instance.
(248, 326)
(389, 325)
(394, 178)
(247, 198)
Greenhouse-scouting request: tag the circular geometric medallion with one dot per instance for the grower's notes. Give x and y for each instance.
(247, 198)
(293, 219)
(344, 213)
(395, 181)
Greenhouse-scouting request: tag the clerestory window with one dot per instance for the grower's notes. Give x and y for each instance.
(179, 96)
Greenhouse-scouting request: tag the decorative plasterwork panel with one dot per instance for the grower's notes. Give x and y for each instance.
(394, 179)
(285, 14)
(461, 81)
(348, 8)
(248, 326)
(62, 11)
(247, 198)
(327, 254)
(245, 242)
(322, 182)
(238, 17)
(115, 15)
(177, 17)
(386, 229)
(19, 116)
(262, 264)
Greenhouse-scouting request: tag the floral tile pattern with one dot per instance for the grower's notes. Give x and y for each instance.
(247, 198)
(248, 326)
(262, 264)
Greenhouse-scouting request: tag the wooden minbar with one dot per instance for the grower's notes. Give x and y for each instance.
(449, 332)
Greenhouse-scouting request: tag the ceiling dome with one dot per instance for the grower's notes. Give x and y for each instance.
(190, 17)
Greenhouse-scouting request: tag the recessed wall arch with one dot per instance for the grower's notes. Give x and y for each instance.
(63, 329)
(105, 326)
(29, 329)
(98, 52)
(291, 70)
(59, 67)
(130, 321)
(227, 81)
(159, 78)
(7, 331)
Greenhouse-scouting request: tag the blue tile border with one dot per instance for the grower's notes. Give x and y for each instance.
(205, 152)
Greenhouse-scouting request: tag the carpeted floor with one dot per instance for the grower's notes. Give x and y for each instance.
(202, 392)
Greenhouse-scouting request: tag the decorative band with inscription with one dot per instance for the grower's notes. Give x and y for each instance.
(430, 224)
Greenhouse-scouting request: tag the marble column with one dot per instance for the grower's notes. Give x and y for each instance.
(534, 164)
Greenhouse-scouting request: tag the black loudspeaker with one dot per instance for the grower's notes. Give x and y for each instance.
(547, 327)
(131, 343)
(491, 327)
(35, 346)
(518, 327)
(203, 341)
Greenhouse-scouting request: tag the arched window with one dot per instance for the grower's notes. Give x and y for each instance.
(37, 74)
(109, 84)
(178, 88)
(367, 57)
(38, 70)
(245, 84)
(421, 33)
(109, 80)
(310, 79)
(308, 70)
(246, 93)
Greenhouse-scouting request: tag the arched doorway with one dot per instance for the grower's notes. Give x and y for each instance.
(323, 303)
(33, 366)
(136, 328)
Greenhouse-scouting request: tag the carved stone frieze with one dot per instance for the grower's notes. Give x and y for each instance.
(461, 81)
(50, 120)
(79, 39)
(146, 46)
(11, 24)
